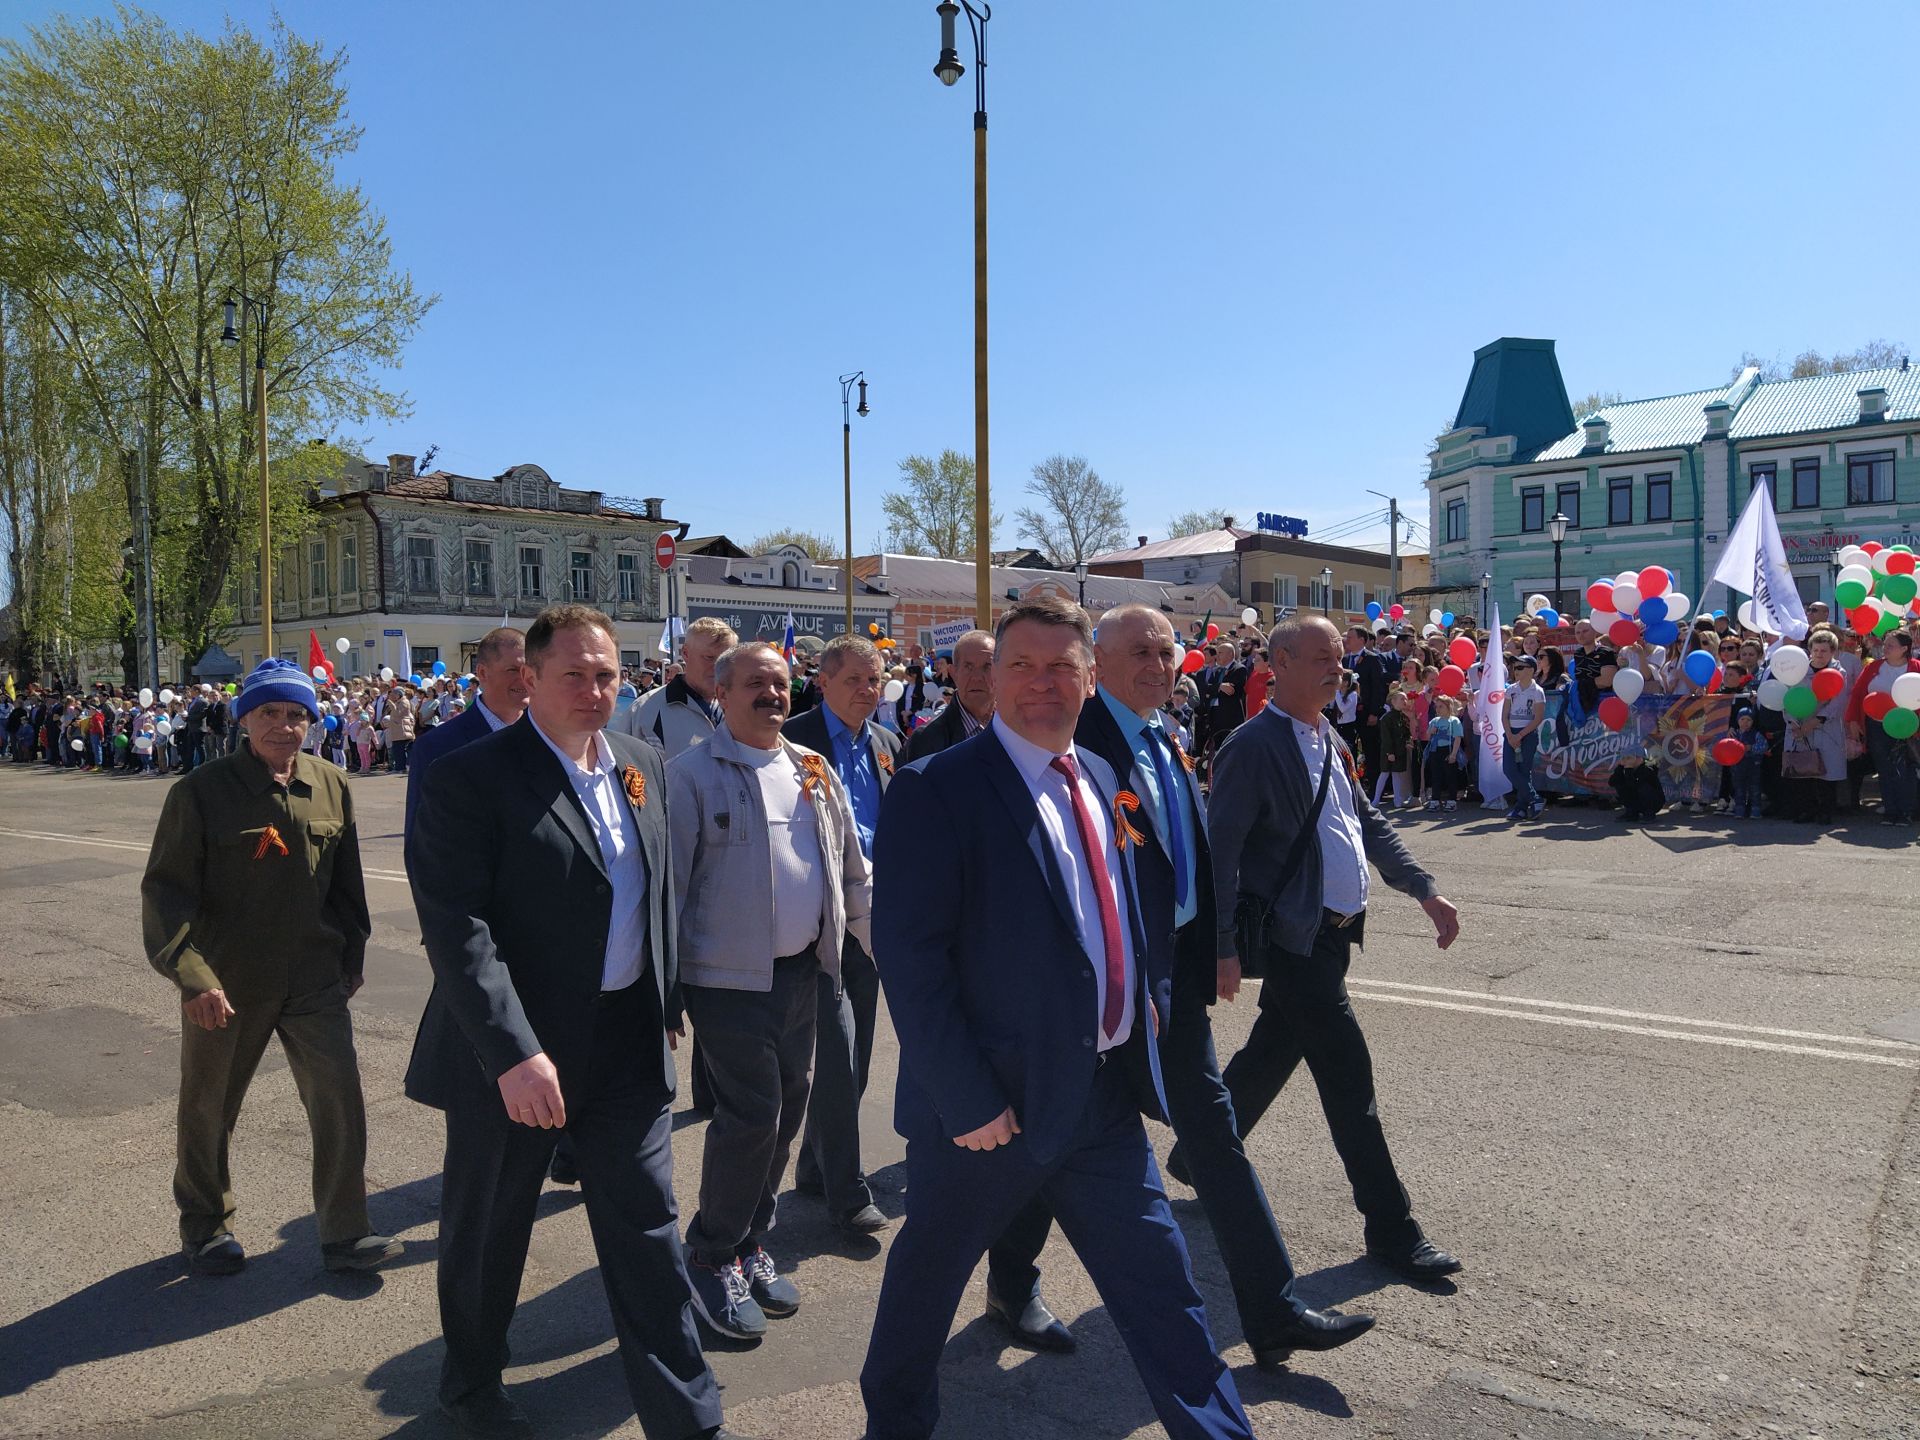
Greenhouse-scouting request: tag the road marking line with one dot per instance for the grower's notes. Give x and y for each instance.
(1732, 1041)
(1484, 998)
(398, 877)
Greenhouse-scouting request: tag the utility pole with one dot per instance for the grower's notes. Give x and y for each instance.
(146, 570)
(1393, 541)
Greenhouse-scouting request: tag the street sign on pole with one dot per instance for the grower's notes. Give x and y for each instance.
(663, 550)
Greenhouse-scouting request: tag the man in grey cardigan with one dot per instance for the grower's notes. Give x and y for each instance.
(770, 879)
(1301, 898)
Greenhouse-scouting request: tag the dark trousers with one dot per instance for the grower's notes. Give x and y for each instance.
(189, 750)
(622, 1131)
(216, 1066)
(1305, 1015)
(829, 1157)
(1370, 748)
(1106, 1190)
(1894, 761)
(1251, 1248)
(759, 1045)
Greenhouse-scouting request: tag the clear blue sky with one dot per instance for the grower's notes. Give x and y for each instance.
(1241, 253)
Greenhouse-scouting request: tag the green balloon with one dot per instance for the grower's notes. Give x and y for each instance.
(1801, 702)
(1901, 589)
(1880, 584)
(1900, 724)
(1851, 594)
(1888, 624)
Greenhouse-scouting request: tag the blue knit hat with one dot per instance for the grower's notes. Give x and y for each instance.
(273, 680)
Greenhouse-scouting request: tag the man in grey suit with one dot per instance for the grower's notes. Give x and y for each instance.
(863, 755)
(1292, 835)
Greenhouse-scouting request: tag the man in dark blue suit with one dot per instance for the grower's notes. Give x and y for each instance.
(1024, 991)
(541, 869)
(499, 672)
(1122, 725)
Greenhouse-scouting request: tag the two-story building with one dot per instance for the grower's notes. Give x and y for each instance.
(432, 562)
(1662, 481)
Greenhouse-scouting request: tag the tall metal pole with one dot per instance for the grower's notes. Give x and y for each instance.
(982, 504)
(847, 382)
(146, 569)
(266, 522)
(1393, 541)
(1556, 574)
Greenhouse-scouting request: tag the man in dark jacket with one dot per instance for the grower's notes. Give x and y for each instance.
(972, 705)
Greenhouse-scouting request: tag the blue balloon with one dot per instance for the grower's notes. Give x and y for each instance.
(1373, 609)
(1550, 618)
(1446, 620)
(1700, 666)
(1664, 633)
(439, 667)
(1653, 610)
(413, 680)
(332, 722)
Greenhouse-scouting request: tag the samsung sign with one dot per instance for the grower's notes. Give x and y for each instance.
(1281, 524)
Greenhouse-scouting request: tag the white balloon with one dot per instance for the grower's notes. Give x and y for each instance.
(1537, 603)
(1676, 606)
(1627, 577)
(319, 672)
(163, 728)
(1772, 693)
(1602, 620)
(1431, 632)
(146, 698)
(1179, 656)
(1856, 574)
(1628, 684)
(1749, 619)
(1879, 561)
(1906, 692)
(142, 743)
(205, 689)
(79, 745)
(343, 644)
(1433, 616)
(1852, 555)
(892, 691)
(386, 673)
(1626, 599)
(1790, 664)
(1250, 616)
(166, 697)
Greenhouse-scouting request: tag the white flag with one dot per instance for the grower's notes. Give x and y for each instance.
(1488, 704)
(1755, 563)
(674, 629)
(406, 656)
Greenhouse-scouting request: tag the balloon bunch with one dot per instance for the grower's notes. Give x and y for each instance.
(1395, 612)
(1793, 685)
(1876, 586)
(880, 642)
(1637, 605)
(1542, 610)
(1452, 678)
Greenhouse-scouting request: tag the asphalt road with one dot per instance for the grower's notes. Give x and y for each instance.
(1661, 1098)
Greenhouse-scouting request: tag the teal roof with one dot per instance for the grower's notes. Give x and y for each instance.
(1515, 389)
(1824, 402)
(1662, 424)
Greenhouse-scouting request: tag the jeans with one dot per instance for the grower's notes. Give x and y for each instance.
(1897, 780)
(1517, 762)
(1746, 786)
(1443, 776)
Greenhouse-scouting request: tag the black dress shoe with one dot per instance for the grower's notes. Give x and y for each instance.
(1424, 1260)
(865, 1221)
(488, 1414)
(1176, 1166)
(1033, 1326)
(1313, 1330)
(220, 1255)
(562, 1169)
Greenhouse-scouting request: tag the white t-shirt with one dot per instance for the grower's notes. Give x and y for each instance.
(1524, 705)
(793, 837)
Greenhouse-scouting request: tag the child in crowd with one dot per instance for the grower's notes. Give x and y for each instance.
(1525, 713)
(1746, 772)
(1396, 748)
(1346, 711)
(1636, 784)
(1444, 737)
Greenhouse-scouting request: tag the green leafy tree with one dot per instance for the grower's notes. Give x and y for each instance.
(817, 546)
(148, 175)
(932, 514)
(1079, 515)
(1195, 522)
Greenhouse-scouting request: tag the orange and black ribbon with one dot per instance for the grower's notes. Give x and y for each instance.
(636, 784)
(1181, 751)
(816, 773)
(883, 760)
(269, 840)
(1124, 831)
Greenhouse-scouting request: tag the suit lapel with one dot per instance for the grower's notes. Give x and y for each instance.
(1014, 794)
(549, 778)
(643, 806)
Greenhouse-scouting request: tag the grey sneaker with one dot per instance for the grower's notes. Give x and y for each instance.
(218, 1255)
(776, 1295)
(369, 1252)
(724, 1299)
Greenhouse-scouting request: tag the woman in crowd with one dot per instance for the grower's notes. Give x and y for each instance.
(1819, 741)
(1892, 758)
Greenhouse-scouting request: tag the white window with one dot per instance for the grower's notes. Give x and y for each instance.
(580, 575)
(349, 565)
(1287, 592)
(423, 565)
(532, 572)
(1350, 596)
(628, 569)
(317, 569)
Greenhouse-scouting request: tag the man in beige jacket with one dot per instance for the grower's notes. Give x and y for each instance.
(770, 879)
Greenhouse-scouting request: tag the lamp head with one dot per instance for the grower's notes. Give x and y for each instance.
(1557, 527)
(861, 408)
(229, 335)
(948, 66)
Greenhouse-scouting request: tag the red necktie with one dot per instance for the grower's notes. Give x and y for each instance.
(1096, 857)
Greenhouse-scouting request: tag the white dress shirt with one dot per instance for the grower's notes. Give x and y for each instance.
(1343, 849)
(494, 722)
(1050, 794)
(793, 843)
(619, 840)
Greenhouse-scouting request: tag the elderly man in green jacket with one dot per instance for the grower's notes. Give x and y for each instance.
(254, 905)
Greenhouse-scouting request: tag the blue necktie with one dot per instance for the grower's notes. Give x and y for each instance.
(1159, 746)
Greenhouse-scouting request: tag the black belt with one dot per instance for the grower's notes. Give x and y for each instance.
(1337, 921)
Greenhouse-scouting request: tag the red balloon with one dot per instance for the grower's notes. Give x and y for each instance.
(1899, 562)
(1878, 704)
(1729, 751)
(1863, 619)
(1873, 547)
(1463, 652)
(1399, 612)
(1196, 660)
(1451, 680)
(1714, 683)
(1213, 632)
(1652, 582)
(1614, 713)
(1828, 683)
(1600, 595)
(1624, 631)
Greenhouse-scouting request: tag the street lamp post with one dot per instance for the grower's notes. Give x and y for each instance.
(1326, 591)
(949, 70)
(1557, 528)
(248, 307)
(847, 382)
(1080, 570)
(1486, 586)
